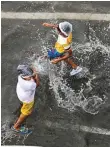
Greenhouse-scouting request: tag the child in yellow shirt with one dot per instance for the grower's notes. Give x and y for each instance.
(62, 50)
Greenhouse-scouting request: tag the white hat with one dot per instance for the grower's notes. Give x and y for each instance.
(24, 70)
(65, 27)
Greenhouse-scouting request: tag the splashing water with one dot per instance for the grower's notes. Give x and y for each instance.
(65, 95)
(41, 66)
(7, 135)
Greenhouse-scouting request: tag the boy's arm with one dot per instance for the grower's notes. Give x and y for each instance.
(66, 55)
(50, 25)
(36, 77)
(54, 61)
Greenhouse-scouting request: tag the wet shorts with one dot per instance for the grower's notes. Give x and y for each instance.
(27, 108)
(54, 54)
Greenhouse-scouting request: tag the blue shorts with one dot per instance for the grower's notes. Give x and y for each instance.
(54, 54)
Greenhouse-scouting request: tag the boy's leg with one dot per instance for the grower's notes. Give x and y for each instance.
(20, 120)
(76, 69)
(26, 110)
(70, 62)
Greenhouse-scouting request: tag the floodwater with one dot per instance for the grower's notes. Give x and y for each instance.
(61, 101)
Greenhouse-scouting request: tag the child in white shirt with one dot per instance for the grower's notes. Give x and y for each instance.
(27, 82)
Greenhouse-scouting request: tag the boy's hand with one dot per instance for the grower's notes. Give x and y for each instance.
(49, 25)
(46, 24)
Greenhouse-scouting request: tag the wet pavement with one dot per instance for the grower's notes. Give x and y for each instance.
(91, 48)
(49, 6)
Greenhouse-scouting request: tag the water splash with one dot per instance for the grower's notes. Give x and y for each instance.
(7, 135)
(65, 95)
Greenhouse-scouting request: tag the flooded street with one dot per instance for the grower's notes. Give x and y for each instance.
(68, 111)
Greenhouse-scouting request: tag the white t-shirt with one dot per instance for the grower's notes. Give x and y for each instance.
(25, 90)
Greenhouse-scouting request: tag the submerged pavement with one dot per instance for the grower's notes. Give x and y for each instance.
(53, 125)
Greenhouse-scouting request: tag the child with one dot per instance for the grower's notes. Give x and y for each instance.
(62, 50)
(27, 82)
